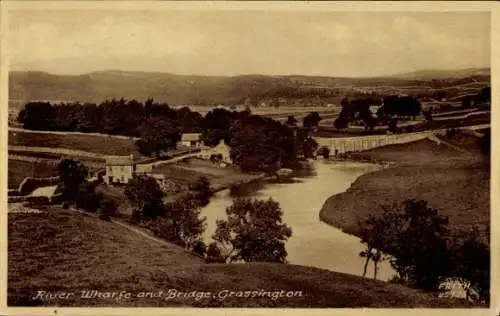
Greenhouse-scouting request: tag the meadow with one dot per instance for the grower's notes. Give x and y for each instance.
(18, 170)
(102, 144)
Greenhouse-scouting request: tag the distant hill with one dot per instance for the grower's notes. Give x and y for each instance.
(210, 90)
(170, 88)
(65, 251)
(444, 74)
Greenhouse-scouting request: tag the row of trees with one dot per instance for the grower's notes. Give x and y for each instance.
(257, 143)
(114, 117)
(415, 239)
(392, 106)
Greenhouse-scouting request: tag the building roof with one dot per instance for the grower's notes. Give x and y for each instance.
(120, 160)
(190, 137)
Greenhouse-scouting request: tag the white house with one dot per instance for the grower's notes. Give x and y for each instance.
(119, 169)
(222, 148)
(191, 140)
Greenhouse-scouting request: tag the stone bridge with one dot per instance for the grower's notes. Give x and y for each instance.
(360, 143)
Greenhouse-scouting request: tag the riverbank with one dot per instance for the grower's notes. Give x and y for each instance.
(454, 183)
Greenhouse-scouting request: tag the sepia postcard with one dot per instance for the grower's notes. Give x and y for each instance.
(252, 157)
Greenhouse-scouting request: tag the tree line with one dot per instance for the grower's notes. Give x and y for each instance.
(257, 143)
(391, 107)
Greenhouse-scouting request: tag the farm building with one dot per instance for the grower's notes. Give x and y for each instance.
(119, 169)
(191, 140)
(222, 148)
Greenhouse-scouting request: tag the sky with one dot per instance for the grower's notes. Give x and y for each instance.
(341, 44)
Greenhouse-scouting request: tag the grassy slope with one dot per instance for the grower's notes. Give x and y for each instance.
(455, 184)
(89, 143)
(18, 170)
(64, 251)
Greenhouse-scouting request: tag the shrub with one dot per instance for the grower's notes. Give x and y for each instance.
(108, 207)
(199, 248)
(105, 217)
(143, 147)
(324, 151)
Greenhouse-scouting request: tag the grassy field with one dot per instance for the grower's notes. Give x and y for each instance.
(191, 170)
(454, 183)
(18, 170)
(89, 143)
(63, 251)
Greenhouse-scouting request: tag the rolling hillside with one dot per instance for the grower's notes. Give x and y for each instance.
(66, 251)
(430, 74)
(211, 90)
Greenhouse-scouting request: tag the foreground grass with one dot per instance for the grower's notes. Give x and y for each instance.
(454, 183)
(62, 251)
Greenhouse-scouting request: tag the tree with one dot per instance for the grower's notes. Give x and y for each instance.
(393, 125)
(88, 198)
(427, 115)
(306, 145)
(202, 190)
(146, 195)
(252, 232)
(485, 142)
(216, 125)
(466, 102)
(418, 244)
(108, 206)
(213, 254)
(160, 134)
(472, 263)
(324, 151)
(311, 120)
(200, 248)
(72, 174)
(377, 233)
(37, 116)
(340, 122)
(260, 144)
(183, 222)
(291, 121)
(485, 94)
(216, 158)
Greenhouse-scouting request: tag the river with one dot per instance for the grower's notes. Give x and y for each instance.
(313, 243)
